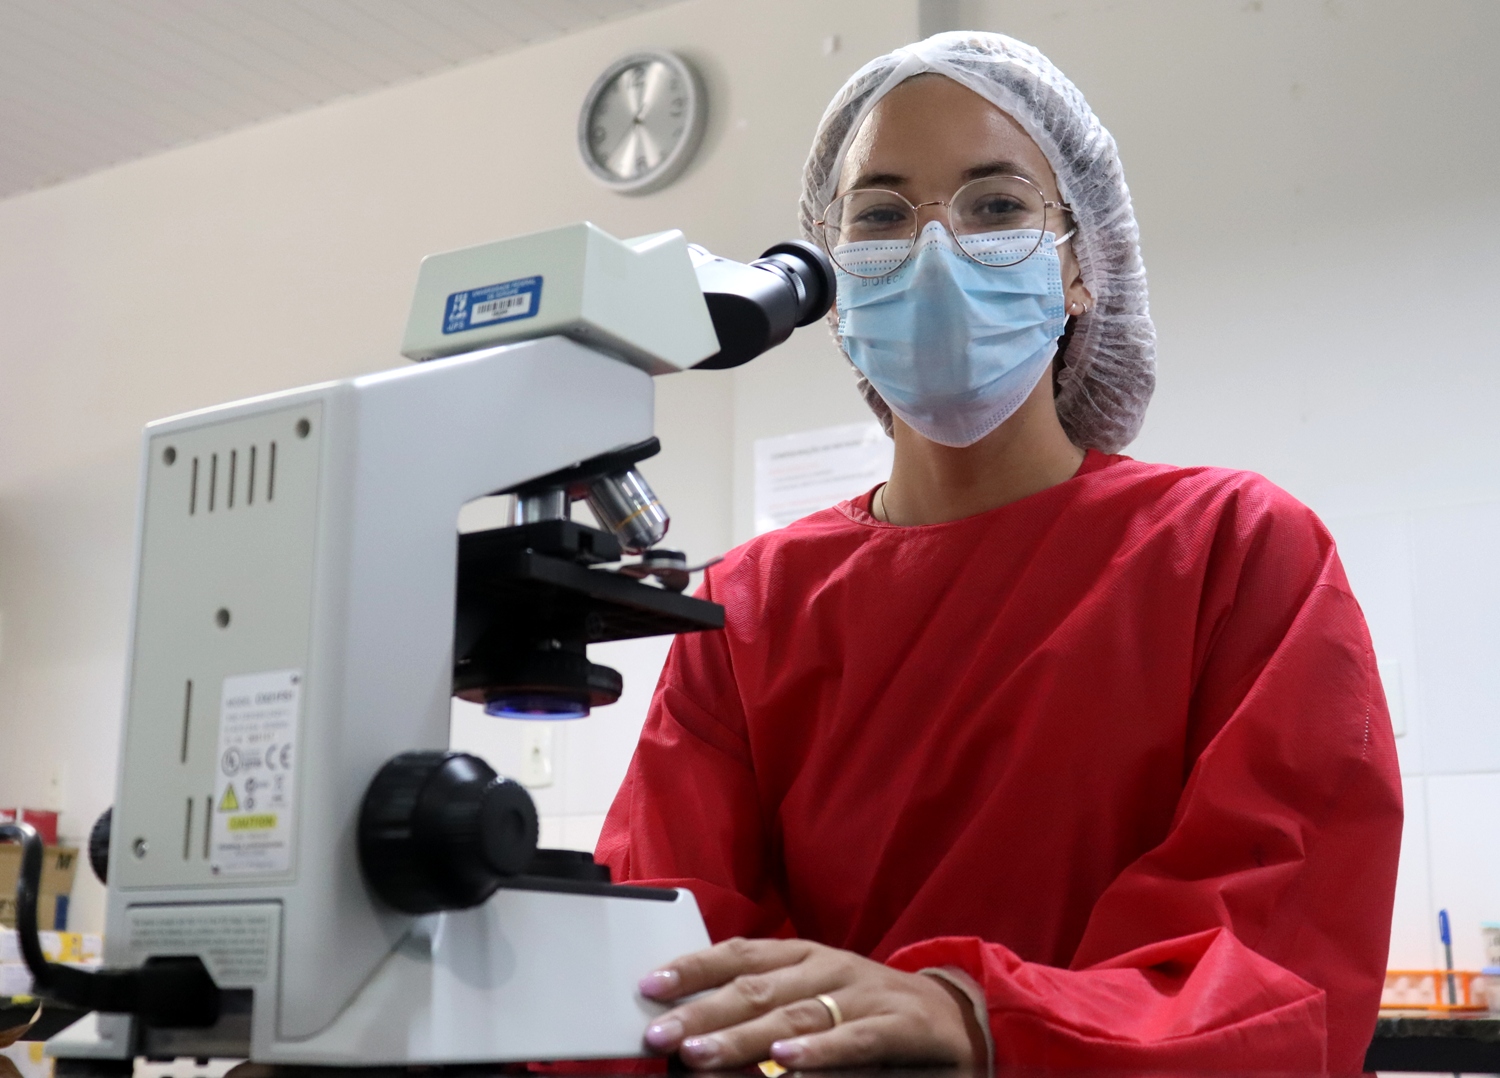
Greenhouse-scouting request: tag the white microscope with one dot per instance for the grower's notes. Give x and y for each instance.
(299, 870)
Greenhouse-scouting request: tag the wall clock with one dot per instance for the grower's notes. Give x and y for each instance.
(641, 122)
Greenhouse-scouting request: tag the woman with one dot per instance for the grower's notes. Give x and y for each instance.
(1034, 754)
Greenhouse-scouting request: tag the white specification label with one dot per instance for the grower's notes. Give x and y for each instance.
(255, 787)
(236, 942)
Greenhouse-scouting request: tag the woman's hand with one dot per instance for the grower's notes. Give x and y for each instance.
(765, 1007)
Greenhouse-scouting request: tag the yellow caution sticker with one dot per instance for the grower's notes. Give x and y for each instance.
(229, 803)
(263, 821)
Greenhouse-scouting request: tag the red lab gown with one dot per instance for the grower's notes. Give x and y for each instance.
(1117, 750)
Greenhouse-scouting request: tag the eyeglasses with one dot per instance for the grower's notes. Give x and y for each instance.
(870, 232)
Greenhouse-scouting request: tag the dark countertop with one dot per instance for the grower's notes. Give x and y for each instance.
(1404, 1040)
(1475, 1026)
(1423, 1041)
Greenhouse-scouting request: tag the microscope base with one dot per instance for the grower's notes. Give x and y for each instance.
(527, 976)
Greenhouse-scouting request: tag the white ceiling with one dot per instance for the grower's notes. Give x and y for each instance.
(85, 84)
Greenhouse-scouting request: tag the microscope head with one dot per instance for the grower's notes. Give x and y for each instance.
(655, 302)
(635, 300)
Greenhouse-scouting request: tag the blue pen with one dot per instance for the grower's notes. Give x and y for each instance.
(1446, 935)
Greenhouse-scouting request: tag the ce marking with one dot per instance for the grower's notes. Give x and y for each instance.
(279, 759)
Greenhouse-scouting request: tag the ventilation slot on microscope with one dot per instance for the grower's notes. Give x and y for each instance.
(257, 467)
(187, 711)
(187, 832)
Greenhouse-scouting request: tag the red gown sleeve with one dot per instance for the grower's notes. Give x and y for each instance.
(693, 763)
(1254, 937)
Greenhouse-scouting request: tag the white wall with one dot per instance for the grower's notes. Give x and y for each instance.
(285, 254)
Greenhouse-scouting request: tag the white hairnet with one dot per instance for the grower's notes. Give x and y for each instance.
(1110, 364)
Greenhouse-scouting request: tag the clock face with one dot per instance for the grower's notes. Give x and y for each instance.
(641, 122)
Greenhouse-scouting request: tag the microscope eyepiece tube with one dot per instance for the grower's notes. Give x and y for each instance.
(624, 503)
(755, 306)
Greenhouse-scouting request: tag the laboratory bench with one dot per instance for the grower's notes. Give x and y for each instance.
(1422, 1041)
(1404, 1040)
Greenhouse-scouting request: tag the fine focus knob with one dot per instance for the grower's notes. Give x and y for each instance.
(440, 831)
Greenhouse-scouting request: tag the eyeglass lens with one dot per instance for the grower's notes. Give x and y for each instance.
(978, 210)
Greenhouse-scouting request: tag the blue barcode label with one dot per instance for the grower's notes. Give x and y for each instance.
(492, 304)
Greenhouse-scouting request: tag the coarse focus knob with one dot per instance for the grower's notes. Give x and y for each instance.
(440, 831)
(99, 845)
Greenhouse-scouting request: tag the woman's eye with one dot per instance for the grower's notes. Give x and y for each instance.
(881, 217)
(998, 207)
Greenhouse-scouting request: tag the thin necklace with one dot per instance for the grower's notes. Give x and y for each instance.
(883, 516)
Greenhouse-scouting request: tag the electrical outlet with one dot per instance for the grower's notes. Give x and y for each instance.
(536, 755)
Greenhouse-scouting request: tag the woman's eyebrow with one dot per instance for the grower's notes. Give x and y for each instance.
(999, 168)
(976, 172)
(877, 179)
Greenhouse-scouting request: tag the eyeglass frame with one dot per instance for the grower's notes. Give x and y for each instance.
(1047, 204)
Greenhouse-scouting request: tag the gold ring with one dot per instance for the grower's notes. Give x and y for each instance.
(833, 1009)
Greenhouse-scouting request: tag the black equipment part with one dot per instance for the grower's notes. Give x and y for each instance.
(809, 264)
(532, 681)
(755, 307)
(574, 872)
(518, 575)
(565, 539)
(440, 831)
(529, 605)
(568, 865)
(99, 845)
(576, 477)
(168, 991)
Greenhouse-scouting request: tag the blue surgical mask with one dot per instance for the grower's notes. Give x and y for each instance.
(953, 346)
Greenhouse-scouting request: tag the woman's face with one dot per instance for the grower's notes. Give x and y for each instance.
(930, 136)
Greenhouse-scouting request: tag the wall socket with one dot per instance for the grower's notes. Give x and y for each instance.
(536, 755)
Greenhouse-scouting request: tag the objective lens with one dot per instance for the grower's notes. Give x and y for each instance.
(540, 505)
(625, 504)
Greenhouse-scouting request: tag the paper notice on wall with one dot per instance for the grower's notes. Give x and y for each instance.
(255, 786)
(798, 474)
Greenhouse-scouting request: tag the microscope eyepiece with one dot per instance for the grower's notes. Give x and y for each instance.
(755, 307)
(811, 274)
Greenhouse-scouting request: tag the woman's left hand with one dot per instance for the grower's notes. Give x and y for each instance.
(766, 1007)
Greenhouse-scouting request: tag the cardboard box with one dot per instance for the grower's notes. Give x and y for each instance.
(83, 950)
(44, 820)
(74, 948)
(59, 866)
(15, 980)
